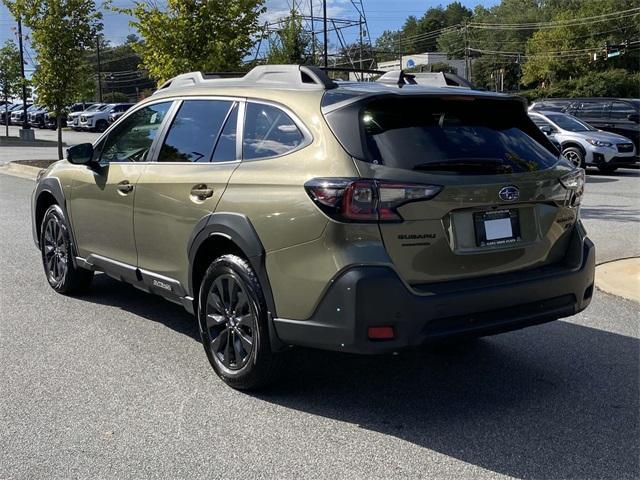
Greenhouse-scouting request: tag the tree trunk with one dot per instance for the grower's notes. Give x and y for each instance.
(59, 125)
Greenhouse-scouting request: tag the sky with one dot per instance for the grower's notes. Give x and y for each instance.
(381, 15)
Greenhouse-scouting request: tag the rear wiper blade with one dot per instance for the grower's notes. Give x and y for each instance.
(483, 166)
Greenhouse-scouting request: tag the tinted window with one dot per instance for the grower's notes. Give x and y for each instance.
(541, 122)
(620, 110)
(225, 150)
(567, 122)
(131, 141)
(591, 110)
(194, 131)
(268, 131)
(432, 134)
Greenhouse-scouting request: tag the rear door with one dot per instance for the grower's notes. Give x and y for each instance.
(623, 122)
(501, 207)
(199, 153)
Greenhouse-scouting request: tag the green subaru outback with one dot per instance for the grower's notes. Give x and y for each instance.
(283, 208)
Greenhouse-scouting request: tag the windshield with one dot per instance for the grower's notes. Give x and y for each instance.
(452, 136)
(93, 108)
(569, 123)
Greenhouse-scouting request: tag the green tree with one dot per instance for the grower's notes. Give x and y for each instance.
(10, 75)
(580, 41)
(61, 30)
(115, 97)
(291, 44)
(188, 35)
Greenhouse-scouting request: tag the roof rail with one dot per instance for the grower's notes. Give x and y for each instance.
(278, 76)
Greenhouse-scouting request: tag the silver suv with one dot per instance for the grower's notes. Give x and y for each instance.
(585, 145)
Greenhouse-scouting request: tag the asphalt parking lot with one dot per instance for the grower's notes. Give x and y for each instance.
(115, 385)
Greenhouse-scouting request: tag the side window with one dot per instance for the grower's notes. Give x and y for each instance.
(620, 110)
(194, 131)
(591, 110)
(132, 140)
(268, 131)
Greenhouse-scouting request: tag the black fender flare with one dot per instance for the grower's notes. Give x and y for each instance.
(50, 185)
(238, 229)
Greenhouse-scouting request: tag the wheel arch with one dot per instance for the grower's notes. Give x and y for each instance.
(222, 233)
(573, 143)
(47, 192)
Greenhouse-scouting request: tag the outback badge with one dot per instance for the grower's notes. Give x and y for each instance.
(509, 193)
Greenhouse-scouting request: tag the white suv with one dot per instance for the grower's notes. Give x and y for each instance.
(97, 119)
(584, 145)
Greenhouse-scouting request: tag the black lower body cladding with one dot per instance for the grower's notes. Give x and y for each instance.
(364, 297)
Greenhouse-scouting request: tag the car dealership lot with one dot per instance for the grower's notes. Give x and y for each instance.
(115, 384)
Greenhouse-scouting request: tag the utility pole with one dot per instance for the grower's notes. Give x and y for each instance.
(26, 133)
(466, 51)
(99, 68)
(324, 27)
(313, 35)
(361, 65)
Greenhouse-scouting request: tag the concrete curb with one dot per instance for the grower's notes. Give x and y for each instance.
(620, 278)
(20, 170)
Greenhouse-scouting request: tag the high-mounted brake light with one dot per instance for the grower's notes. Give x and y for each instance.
(366, 200)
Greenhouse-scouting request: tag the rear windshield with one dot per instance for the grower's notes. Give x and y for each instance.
(459, 136)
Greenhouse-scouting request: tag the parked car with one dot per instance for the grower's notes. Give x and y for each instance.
(73, 118)
(98, 120)
(615, 115)
(36, 117)
(5, 111)
(118, 110)
(283, 208)
(17, 115)
(584, 145)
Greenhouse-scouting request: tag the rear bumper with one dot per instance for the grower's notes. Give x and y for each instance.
(364, 297)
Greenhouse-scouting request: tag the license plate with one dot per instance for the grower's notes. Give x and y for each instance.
(497, 227)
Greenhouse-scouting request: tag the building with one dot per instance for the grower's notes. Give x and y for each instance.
(424, 59)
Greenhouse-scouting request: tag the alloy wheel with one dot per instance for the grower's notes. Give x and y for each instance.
(573, 157)
(54, 251)
(231, 321)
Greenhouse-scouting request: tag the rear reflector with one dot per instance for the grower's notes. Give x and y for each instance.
(381, 333)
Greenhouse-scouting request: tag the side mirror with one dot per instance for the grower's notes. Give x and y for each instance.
(81, 154)
(633, 117)
(546, 130)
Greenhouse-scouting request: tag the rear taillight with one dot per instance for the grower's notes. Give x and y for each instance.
(365, 200)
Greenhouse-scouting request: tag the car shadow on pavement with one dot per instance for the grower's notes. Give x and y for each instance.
(106, 291)
(554, 401)
(610, 212)
(549, 402)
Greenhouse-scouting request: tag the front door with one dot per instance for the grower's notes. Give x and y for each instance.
(197, 157)
(102, 196)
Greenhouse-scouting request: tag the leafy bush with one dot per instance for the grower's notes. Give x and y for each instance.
(115, 97)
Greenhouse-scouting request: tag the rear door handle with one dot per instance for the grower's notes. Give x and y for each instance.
(125, 186)
(201, 191)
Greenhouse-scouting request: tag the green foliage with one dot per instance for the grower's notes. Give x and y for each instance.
(291, 44)
(543, 67)
(10, 76)
(188, 35)
(61, 30)
(610, 83)
(115, 97)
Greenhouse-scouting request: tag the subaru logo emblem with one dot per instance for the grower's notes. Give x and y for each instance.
(509, 194)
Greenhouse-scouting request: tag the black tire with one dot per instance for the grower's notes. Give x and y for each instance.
(574, 155)
(233, 324)
(607, 169)
(57, 250)
(101, 126)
